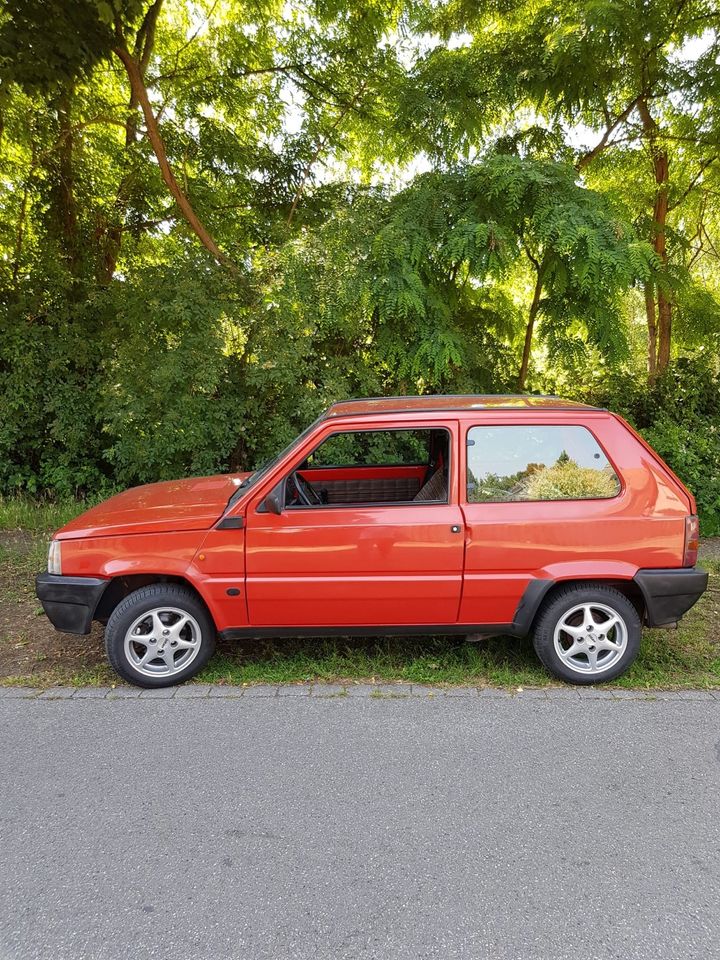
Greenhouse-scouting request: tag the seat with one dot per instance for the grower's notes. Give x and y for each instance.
(434, 489)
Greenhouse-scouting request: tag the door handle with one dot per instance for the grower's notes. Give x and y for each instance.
(455, 528)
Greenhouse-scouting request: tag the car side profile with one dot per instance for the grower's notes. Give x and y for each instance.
(477, 515)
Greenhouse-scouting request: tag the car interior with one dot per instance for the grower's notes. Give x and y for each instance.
(373, 467)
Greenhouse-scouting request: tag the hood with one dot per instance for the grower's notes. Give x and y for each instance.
(173, 505)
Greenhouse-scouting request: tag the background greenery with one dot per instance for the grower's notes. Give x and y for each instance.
(217, 217)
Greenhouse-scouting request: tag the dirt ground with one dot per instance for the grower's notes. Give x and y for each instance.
(28, 643)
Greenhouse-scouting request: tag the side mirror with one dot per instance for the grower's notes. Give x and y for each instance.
(275, 500)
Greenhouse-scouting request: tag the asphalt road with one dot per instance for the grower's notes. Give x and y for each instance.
(291, 828)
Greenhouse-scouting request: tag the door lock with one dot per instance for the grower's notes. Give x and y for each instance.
(455, 528)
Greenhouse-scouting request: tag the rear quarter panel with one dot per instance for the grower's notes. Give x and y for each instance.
(509, 544)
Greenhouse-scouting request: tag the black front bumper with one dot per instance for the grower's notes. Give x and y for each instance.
(69, 602)
(668, 594)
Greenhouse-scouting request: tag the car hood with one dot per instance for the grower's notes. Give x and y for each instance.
(193, 504)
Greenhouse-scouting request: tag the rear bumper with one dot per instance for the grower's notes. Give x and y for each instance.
(668, 594)
(69, 602)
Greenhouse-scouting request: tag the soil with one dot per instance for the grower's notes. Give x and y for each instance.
(29, 645)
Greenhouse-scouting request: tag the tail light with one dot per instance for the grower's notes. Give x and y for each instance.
(692, 541)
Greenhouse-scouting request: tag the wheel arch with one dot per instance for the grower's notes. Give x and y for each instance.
(122, 586)
(539, 593)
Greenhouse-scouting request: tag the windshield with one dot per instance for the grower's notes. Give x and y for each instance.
(268, 465)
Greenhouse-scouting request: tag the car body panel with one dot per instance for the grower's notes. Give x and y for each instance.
(191, 504)
(169, 554)
(510, 544)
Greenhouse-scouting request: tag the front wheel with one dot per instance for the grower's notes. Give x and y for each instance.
(587, 634)
(159, 635)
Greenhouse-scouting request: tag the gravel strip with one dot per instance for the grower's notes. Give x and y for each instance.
(375, 691)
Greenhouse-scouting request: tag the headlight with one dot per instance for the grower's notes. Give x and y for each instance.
(54, 558)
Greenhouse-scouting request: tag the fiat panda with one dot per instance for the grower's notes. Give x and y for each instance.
(476, 515)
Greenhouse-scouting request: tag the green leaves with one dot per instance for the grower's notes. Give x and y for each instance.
(435, 269)
(294, 131)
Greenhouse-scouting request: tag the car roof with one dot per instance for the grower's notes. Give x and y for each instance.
(457, 402)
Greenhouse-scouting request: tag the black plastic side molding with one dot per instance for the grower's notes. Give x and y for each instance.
(231, 523)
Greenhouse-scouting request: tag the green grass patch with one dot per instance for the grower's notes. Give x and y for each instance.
(39, 516)
(431, 660)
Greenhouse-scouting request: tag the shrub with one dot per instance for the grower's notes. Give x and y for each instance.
(566, 480)
(679, 416)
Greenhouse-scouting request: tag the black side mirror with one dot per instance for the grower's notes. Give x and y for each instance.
(275, 500)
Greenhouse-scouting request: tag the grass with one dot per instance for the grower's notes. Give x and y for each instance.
(687, 657)
(38, 516)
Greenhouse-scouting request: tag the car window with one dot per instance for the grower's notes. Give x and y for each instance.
(373, 448)
(521, 463)
(383, 467)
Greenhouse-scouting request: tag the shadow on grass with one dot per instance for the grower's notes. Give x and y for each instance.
(688, 657)
(410, 659)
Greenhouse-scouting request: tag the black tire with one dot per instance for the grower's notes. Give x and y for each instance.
(558, 606)
(148, 599)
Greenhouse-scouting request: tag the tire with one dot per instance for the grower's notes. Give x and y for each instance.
(162, 619)
(571, 616)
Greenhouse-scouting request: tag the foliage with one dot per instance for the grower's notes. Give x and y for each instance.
(680, 417)
(568, 481)
(321, 200)
(635, 86)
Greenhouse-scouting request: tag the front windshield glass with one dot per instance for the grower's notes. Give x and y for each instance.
(268, 465)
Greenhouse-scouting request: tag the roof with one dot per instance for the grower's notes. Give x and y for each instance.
(429, 404)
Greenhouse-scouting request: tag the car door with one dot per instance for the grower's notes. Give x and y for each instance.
(357, 565)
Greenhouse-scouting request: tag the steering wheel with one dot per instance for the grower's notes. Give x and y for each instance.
(307, 494)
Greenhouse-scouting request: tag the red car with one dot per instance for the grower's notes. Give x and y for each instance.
(474, 515)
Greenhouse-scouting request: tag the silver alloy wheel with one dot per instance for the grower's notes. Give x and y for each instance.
(590, 638)
(162, 642)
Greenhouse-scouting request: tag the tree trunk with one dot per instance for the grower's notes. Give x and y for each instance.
(63, 207)
(110, 229)
(22, 218)
(664, 331)
(140, 93)
(652, 329)
(144, 44)
(660, 331)
(532, 316)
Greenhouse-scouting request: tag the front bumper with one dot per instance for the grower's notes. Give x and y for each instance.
(69, 602)
(668, 594)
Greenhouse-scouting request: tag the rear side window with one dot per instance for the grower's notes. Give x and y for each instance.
(521, 463)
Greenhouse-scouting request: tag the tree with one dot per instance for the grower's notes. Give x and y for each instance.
(429, 273)
(212, 85)
(643, 77)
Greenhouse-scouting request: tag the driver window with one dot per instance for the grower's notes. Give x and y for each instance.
(373, 467)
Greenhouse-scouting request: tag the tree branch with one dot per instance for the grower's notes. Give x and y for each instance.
(141, 95)
(694, 182)
(321, 144)
(611, 126)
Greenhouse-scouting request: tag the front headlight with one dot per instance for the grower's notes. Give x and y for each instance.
(54, 558)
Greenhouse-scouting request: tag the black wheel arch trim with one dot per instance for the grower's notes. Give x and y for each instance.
(535, 593)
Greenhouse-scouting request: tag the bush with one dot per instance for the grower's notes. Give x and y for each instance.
(679, 416)
(568, 481)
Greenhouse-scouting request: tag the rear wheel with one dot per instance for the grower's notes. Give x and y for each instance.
(159, 635)
(587, 634)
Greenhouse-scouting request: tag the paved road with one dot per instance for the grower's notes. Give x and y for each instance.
(298, 827)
